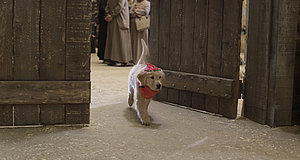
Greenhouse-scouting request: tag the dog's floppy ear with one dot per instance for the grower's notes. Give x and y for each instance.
(142, 77)
(163, 76)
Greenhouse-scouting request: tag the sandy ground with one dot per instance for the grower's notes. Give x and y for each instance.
(176, 134)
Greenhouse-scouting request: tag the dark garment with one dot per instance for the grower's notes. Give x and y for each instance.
(102, 29)
(94, 27)
(93, 38)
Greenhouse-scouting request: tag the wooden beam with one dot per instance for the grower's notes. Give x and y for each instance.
(44, 92)
(209, 85)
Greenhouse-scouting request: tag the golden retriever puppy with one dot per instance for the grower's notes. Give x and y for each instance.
(144, 81)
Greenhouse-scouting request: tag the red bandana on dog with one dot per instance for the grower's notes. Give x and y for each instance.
(145, 91)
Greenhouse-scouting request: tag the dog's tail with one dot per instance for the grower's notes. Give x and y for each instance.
(145, 52)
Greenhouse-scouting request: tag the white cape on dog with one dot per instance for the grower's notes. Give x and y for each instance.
(144, 81)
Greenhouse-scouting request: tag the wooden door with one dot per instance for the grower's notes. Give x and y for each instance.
(197, 44)
(271, 60)
(44, 62)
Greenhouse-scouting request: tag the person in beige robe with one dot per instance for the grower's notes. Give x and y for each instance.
(118, 42)
(139, 8)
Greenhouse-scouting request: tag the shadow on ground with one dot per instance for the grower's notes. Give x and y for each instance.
(131, 116)
(17, 135)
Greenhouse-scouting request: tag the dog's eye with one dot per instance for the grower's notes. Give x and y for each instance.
(152, 77)
(159, 77)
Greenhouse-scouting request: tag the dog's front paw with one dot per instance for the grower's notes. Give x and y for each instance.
(146, 121)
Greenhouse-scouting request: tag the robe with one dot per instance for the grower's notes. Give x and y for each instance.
(118, 41)
(138, 9)
(102, 29)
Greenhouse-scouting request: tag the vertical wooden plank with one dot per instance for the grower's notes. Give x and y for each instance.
(52, 58)
(200, 47)
(6, 115)
(282, 62)
(163, 39)
(154, 32)
(198, 101)
(173, 95)
(200, 37)
(296, 97)
(185, 98)
(6, 39)
(26, 39)
(154, 40)
(77, 54)
(77, 40)
(78, 114)
(52, 114)
(175, 28)
(162, 95)
(188, 22)
(6, 54)
(26, 54)
(174, 51)
(187, 50)
(214, 48)
(258, 60)
(231, 53)
(26, 115)
(215, 29)
(164, 33)
(272, 63)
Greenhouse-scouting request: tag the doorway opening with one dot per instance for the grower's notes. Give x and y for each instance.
(243, 56)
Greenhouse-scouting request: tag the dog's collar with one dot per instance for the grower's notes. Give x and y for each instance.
(146, 92)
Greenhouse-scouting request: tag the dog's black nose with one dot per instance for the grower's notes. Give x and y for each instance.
(158, 86)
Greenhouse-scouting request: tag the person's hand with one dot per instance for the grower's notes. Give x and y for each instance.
(96, 19)
(138, 15)
(133, 7)
(108, 18)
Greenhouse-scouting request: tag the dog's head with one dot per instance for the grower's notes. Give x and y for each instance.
(153, 79)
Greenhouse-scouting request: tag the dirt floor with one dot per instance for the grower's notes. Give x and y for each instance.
(176, 134)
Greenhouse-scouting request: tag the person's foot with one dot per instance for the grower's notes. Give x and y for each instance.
(126, 64)
(106, 62)
(111, 63)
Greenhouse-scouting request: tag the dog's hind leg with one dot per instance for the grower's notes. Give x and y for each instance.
(130, 95)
